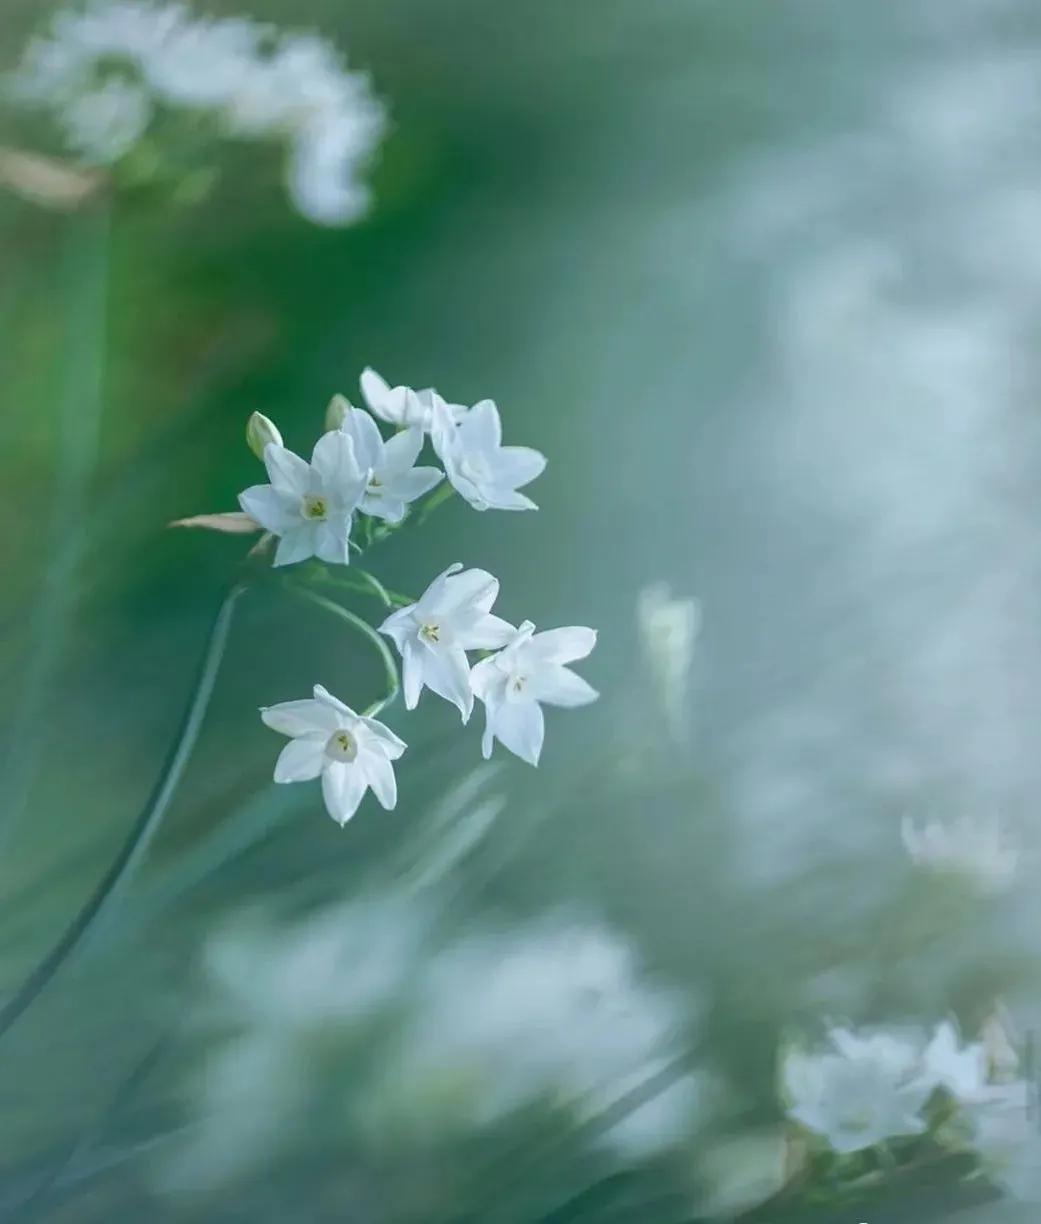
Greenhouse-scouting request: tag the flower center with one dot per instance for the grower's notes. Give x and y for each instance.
(314, 507)
(430, 633)
(341, 746)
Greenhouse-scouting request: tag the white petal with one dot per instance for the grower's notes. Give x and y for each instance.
(391, 745)
(331, 540)
(399, 625)
(447, 673)
(563, 645)
(326, 699)
(517, 465)
(297, 544)
(483, 632)
(380, 775)
(271, 509)
(413, 659)
(560, 686)
(472, 589)
(337, 467)
(481, 428)
(519, 725)
(433, 595)
(388, 403)
(301, 759)
(412, 484)
(401, 452)
(299, 717)
(343, 787)
(286, 471)
(497, 497)
(365, 436)
(487, 680)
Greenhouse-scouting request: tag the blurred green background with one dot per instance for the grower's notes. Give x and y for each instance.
(762, 280)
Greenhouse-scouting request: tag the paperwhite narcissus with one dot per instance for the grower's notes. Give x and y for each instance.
(352, 753)
(403, 407)
(309, 506)
(855, 1101)
(452, 616)
(531, 669)
(395, 480)
(482, 470)
(961, 1070)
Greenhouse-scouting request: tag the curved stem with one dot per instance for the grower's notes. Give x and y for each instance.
(363, 627)
(136, 845)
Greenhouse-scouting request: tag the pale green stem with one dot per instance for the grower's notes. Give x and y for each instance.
(135, 847)
(84, 284)
(366, 630)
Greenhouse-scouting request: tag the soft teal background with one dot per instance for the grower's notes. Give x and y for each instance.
(762, 280)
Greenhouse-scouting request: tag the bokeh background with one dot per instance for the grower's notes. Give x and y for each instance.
(764, 282)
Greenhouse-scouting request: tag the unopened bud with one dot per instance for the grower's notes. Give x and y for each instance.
(259, 432)
(336, 413)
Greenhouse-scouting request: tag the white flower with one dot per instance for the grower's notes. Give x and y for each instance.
(403, 407)
(978, 849)
(395, 480)
(322, 175)
(859, 1094)
(528, 671)
(350, 752)
(105, 123)
(202, 63)
(452, 616)
(482, 470)
(962, 1071)
(310, 506)
(668, 629)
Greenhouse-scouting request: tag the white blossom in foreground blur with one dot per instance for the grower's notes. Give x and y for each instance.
(977, 849)
(105, 72)
(352, 753)
(529, 670)
(482, 470)
(960, 1070)
(668, 629)
(859, 1092)
(310, 506)
(403, 407)
(394, 479)
(452, 616)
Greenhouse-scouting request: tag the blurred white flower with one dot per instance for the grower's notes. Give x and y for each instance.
(103, 72)
(105, 123)
(401, 406)
(395, 480)
(530, 669)
(976, 848)
(961, 1070)
(452, 616)
(352, 753)
(1006, 1133)
(668, 629)
(860, 1092)
(310, 506)
(482, 470)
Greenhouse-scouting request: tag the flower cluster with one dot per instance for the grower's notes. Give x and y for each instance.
(976, 849)
(118, 70)
(865, 1088)
(312, 509)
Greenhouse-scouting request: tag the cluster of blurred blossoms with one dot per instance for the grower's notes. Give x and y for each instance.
(359, 1020)
(359, 485)
(141, 87)
(977, 849)
(905, 1091)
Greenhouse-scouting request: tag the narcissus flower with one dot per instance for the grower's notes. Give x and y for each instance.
(452, 616)
(310, 506)
(351, 753)
(403, 407)
(482, 470)
(395, 480)
(531, 669)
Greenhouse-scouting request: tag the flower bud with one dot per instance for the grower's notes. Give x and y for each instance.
(259, 432)
(336, 413)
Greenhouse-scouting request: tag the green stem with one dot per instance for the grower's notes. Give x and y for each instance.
(437, 498)
(85, 266)
(366, 630)
(135, 847)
